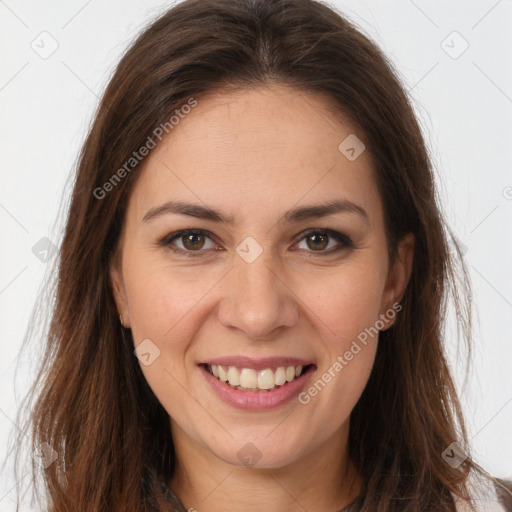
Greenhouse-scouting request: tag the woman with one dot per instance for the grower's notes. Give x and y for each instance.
(252, 282)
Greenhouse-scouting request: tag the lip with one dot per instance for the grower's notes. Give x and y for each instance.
(258, 364)
(257, 400)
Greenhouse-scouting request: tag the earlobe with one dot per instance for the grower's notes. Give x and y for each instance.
(119, 294)
(399, 275)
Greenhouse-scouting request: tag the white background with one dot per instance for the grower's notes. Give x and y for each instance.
(464, 105)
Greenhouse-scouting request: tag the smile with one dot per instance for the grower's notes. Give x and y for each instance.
(249, 379)
(257, 384)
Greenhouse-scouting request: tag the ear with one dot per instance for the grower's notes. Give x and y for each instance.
(398, 276)
(119, 291)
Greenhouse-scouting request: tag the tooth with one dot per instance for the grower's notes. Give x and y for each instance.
(233, 376)
(223, 376)
(248, 378)
(266, 379)
(280, 376)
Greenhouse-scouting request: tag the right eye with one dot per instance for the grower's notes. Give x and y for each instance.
(189, 241)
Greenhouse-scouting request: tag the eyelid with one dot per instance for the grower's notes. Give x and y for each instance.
(344, 240)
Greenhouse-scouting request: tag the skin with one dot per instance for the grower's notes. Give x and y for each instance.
(254, 154)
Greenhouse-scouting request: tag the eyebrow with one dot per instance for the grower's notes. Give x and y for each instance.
(295, 215)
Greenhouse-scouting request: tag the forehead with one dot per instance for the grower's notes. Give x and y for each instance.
(268, 147)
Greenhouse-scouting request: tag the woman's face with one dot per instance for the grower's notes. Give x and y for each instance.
(273, 280)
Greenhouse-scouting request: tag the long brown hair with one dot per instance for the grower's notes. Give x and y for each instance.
(91, 403)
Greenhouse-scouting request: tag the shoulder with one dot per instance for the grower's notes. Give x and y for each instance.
(487, 497)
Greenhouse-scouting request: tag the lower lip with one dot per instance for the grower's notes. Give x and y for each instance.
(257, 400)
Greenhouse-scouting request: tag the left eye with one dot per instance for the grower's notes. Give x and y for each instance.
(319, 241)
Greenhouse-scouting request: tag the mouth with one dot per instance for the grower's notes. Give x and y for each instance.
(249, 379)
(259, 379)
(257, 384)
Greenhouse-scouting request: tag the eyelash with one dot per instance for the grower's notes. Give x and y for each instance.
(345, 241)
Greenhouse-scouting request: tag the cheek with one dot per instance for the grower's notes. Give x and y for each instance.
(168, 306)
(162, 299)
(346, 310)
(164, 304)
(346, 300)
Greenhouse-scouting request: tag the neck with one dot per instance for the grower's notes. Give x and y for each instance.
(322, 480)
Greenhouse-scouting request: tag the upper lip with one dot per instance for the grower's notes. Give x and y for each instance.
(257, 364)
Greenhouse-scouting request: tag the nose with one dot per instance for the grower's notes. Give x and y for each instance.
(257, 301)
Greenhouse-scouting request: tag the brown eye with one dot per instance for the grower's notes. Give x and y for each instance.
(193, 241)
(317, 241)
(189, 241)
(324, 241)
